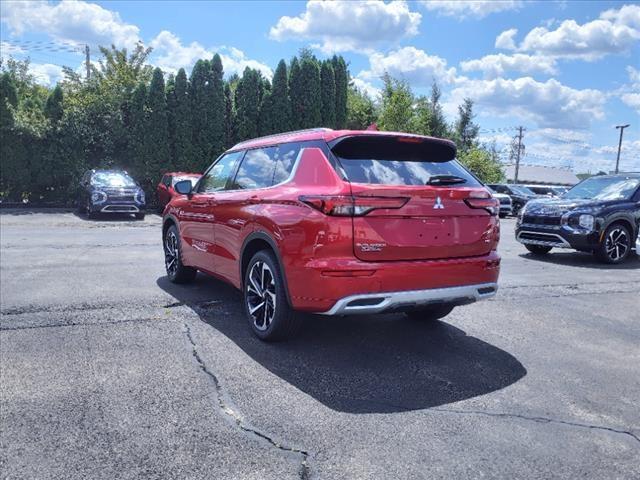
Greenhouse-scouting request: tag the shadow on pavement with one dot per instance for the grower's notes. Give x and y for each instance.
(583, 260)
(372, 364)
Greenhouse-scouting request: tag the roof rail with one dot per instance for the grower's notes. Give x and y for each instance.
(284, 134)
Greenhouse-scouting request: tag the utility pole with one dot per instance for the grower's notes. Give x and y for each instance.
(621, 127)
(87, 61)
(515, 177)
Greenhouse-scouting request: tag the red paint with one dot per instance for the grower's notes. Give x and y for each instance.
(165, 191)
(403, 243)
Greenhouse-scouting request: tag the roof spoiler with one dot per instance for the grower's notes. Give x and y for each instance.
(411, 148)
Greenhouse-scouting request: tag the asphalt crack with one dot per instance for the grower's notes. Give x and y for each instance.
(537, 419)
(227, 409)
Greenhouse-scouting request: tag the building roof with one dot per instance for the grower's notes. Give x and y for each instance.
(541, 175)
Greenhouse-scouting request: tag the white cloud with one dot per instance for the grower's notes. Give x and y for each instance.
(170, 55)
(505, 39)
(46, 73)
(496, 65)
(631, 93)
(366, 87)
(411, 64)
(344, 25)
(615, 31)
(548, 104)
(70, 21)
(470, 8)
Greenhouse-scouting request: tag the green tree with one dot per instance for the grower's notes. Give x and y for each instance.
(437, 123)
(157, 132)
(281, 118)
(421, 122)
(465, 130)
(248, 97)
(296, 94)
(483, 163)
(138, 120)
(216, 113)
(182, 157)
(397, 102)
(328, 95)
(361, 111)
(229, 117)
(199, 109)
(53, 109)
(311, 98)
(342, 83)
(267, 114)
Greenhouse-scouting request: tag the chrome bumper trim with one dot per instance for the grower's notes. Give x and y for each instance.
(379, 302)
(120, 209)
(554, 240)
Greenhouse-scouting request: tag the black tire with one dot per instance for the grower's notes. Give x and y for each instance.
(430, 314)
(538, 249)
(140, 215)
(275, 320)
(176, 271)
(615, 245)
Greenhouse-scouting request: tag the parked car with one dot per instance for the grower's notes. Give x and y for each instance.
(506, 206)
(549, 190)
(519, 194)
(600, 214)
(337, 223)
(110, 191)
(165, 190)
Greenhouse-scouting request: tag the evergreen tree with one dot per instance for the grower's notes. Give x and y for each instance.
(342, 83)
(229, 117)
(182, 153)
(421, 123)
(296, 94)
(247, 99)
(361, 112)
(53, 108)
(137, 136)
(397, 103)
(281, 113)
(466, 132)
(170, 94)
(328, 95)
(437, 124)
(311, 97)
(216, 113)
(266, 117)
(198, 109)
(157, 132)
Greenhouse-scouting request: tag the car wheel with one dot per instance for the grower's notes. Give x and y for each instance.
(176, 271)
(538, 249)
(266, 305)
(140, 215)
(430, 314)
(615, 245)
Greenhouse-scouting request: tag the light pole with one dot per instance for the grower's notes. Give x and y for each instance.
(621, 127)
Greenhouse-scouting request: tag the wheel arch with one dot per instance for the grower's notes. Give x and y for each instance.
(625, 221)
(167, 222)
(255, 242)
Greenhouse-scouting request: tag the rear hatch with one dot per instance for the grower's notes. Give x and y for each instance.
(438, 209)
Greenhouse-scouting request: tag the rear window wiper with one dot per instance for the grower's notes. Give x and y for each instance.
(445, 180)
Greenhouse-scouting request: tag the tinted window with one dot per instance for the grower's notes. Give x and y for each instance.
(604, 188)
(112, 179)
(286, 156)
(217, 176)
(256, 170)
(397, 172)
(166, 180)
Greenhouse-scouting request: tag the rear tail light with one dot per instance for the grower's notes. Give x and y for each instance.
(348, 206)
(484, 201)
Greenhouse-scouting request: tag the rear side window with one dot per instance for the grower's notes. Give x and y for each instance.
(390, 161)
(217, 176)
(286, 156)
(256, 170)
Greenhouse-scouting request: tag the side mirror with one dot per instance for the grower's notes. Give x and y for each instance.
(184, 187)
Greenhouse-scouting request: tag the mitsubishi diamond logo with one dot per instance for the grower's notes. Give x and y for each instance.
(438, 205)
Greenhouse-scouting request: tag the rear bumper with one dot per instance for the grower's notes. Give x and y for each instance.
(326, 286)
(409, 300)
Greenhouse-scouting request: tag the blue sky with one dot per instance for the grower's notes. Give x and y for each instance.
(566, 71)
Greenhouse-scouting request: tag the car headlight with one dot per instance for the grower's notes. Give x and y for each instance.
(578, 222)
(586, 221)
(140, 197)
(98, 197)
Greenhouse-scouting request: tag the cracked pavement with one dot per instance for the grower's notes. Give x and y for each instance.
(109, 371)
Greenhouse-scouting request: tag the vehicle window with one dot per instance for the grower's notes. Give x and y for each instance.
(216, 177)
(604, 188)
(256, 169)
(191, 178)
(519, 189)
(286, 156)
(112, 179)
(166, 180)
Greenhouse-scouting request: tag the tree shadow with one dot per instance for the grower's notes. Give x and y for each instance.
(361, 364)
(583, 260)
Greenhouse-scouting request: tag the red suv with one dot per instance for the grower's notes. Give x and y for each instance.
(337, 223)
(165, 190)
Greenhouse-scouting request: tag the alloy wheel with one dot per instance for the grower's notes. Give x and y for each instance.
(171, 253)
(260, 295)
(616, 244)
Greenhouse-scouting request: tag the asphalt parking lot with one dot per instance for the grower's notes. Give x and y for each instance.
(109, 371)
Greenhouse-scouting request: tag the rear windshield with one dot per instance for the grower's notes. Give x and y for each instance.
(388, 160)
(396, 172)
